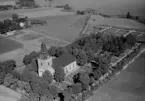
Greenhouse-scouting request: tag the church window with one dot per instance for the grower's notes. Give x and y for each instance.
(48, 63)
(66, 69)
(41, 64)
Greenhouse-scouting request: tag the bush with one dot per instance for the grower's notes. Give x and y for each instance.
(54, 90)
(47, 76)
(77, 88)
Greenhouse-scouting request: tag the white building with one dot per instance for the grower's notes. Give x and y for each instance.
(10, 33)
(67, 62)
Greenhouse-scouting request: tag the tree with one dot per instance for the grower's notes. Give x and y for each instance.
(9, 80)
(27, 88)
(26, 76)
(2, 76)
(59, 74)
(15, 17)
(24, 98)
(87, 68)
(14, 26)
(66, 95)
(9, 65)
(97, 74)
(56, 51)
(85, 80)
(44, 98)
(77, 88)
(54, 90)
(21, 85)
(47, 76)
(82, 58)
(130, 40)
(1, 27)
(128, 15)
(29, 57)
(90, 55)
(52, 51)
(33, 66)
(34, 97)
(47, 93)
(7, 24)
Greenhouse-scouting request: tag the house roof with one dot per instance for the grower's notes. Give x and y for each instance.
(63, 60)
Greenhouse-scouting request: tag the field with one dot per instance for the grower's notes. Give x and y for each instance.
(45, 13)
(31, 41)
(117, 22)
(66, 27)
(129, 85)
(7, 94)
(7, 45)
(89, 29)
(8, 14)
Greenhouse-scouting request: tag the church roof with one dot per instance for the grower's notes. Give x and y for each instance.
(63, 60)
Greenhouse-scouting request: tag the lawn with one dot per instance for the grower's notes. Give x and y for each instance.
(7, 45)
(7, 94)
(117, 22)
(65, 27)
(129, 85)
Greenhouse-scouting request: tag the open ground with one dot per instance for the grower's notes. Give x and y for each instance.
(66, 27)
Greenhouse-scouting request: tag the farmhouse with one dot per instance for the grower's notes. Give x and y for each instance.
(46, 62)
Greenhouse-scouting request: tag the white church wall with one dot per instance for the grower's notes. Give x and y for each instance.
(45, 65)
(70, 68)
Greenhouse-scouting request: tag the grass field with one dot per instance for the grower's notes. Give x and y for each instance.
(66, 27)
(45, 13)
(31, 41)
(30, 36)
(129, 85)
(7, 45)
(117, 22)
(7, 94)
(8, 14)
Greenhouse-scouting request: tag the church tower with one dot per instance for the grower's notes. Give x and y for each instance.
(44, 61)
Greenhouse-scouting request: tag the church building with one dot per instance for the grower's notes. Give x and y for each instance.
(46, 62)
